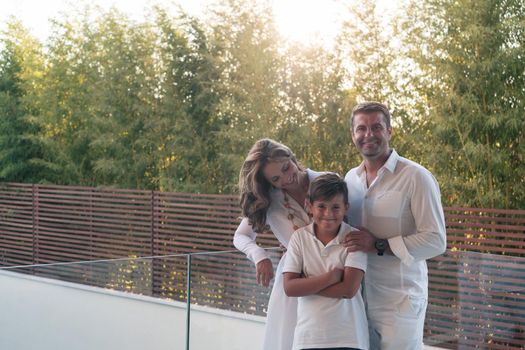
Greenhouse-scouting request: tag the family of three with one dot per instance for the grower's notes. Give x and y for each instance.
(395, 222)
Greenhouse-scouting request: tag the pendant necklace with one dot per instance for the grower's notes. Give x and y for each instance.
(292, 213)
(290, 210)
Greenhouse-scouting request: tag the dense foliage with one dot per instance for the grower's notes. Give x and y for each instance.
(174, 103)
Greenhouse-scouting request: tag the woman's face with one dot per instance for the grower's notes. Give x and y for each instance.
(282, 173)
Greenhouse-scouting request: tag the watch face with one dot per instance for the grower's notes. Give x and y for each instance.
(380, 244)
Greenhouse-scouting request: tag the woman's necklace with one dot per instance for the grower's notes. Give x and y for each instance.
(292, 213)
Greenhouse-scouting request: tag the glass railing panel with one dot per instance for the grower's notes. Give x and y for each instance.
(164, 277)
(170, 277)
(228, 307)
(476, 300)
(107, 304)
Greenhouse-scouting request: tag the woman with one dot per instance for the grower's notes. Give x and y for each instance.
(272, 187)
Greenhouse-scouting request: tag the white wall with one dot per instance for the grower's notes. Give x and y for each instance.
(44, 314)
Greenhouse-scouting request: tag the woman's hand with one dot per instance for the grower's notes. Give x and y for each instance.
(264, 272)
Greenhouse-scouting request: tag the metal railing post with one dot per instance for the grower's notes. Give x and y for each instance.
(153, 251)
(188, 302)
(35, 223)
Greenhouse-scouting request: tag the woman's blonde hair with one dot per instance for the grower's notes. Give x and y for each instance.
(253, 186)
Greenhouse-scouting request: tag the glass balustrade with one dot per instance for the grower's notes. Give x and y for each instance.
(476, 300)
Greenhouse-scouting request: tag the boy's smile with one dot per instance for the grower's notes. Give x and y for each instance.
(328, 215)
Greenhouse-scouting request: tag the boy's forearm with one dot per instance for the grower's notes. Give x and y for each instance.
(339, 290)
(347, 288)
(300, 287)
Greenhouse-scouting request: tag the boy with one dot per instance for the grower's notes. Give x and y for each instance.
(319, 270)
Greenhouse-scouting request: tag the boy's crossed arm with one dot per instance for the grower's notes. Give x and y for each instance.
(336, 283)
(346, 288)
(297, 286)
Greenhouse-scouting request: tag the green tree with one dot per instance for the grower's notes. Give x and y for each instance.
(315, 108)
(23, 155)
(377, 69)
(471, 55)
(125, 143)
(100, 89)
(245, 40)
(65, 104)
(186, 105)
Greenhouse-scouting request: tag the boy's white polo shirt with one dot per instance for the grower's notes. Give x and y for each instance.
(323, 321)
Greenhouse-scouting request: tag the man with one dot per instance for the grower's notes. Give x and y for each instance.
(397, 205)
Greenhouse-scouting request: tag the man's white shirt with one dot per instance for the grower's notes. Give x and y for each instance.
(403, 205)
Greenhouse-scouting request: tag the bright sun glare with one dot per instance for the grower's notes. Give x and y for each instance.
(304, 21)
(308, 21)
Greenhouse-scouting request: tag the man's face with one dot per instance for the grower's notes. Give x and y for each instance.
(371, 135)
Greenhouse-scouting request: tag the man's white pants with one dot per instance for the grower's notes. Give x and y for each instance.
(398, 327)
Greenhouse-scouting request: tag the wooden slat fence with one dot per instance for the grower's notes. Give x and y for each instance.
(41, 224)
(476, 300)
(476, 289)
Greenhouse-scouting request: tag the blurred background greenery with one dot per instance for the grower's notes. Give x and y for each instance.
(174, 102)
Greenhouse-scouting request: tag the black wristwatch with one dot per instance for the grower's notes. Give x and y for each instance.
(381, 245)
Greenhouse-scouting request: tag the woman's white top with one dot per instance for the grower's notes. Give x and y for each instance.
(277, 217)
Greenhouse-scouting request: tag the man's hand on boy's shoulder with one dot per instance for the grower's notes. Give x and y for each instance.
(361, 240)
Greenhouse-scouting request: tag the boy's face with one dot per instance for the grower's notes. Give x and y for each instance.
(328, 213)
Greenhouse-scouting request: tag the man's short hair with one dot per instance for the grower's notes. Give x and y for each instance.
(371, 107)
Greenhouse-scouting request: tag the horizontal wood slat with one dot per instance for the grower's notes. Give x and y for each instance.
(476, 289)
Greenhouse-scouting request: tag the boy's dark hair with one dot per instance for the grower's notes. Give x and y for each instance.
(327, 186)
